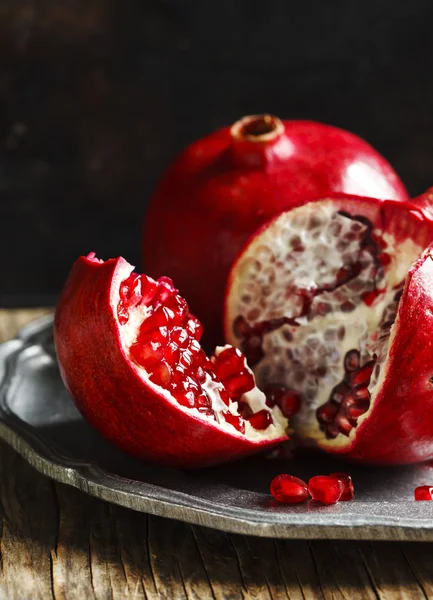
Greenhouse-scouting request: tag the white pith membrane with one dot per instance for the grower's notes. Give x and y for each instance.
(137, 314)
(284, 273)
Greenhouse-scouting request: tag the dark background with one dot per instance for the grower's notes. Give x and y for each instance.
(97, 97)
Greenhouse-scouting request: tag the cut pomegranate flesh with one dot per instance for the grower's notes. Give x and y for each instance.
(167, 346)
(325, 489)
(423, 492)
(129, 353)
(289, 489)
(311, 301)
(346, 480)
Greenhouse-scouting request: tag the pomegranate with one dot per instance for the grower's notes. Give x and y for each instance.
(289, 489)
(325, 489)
(325, 301)
(423, 492)
(348, 489)
(130, 355)
(220, 189)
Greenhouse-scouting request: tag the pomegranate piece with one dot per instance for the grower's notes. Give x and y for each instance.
(423, 492)
(346, 480)
(326, 489)
(220, 189)
(289, 489)
(130, 356)
(308, 321)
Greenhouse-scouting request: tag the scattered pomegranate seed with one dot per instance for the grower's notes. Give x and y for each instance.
(289, 489)
(346, 480)
(424, 492)
(325, 489)
(261, 419)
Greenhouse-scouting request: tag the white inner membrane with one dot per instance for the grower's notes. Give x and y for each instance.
(255, 399)
(305, 249)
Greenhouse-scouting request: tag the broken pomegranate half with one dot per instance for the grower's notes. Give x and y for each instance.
(323, 301)
(130, 355)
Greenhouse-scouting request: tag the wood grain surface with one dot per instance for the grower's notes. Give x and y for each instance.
(56, 542)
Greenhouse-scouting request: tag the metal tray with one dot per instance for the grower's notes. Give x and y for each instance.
(39, 420)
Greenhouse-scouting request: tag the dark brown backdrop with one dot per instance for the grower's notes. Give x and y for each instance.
(97, 96)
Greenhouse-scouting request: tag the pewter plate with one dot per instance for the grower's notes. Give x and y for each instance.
(39, 420)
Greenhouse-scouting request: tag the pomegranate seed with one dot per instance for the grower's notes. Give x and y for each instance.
(325, 489)
(194, 327)
(237, 422)
(201, 359)
(239, 384)
(179, 336)
(351, 360)
(204, 405)
(171, 353)
(369, 297)
(385, 259)
(201, 375)
(148, 289)
(228, 362)
(166, 289)
(327, 412)
(424, 492)
(122, 314)
(224, 397)
(146, 354)
(156, 335)
(186, 359)
(346, 480)
(289, 489)
(261, 420)
(160, 317)
(180, 309)
(362, 377)
(288, 401)
(161, 374)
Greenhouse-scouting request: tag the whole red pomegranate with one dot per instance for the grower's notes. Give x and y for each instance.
(333, 301)
(129, 353)
(222, 187)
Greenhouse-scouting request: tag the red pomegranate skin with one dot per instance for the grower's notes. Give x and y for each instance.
(221, 188)
(107, 388)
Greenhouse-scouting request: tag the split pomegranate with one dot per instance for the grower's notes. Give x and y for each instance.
(220, 189)
(424, 492)
(348, 489)
(130, 355)
(325, 302)
(289, 489)
(325, 489)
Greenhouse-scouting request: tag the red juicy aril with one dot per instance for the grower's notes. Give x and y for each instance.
(324, 301)
(220, 189)
(326, 489)
(289, 489)
(130, 355)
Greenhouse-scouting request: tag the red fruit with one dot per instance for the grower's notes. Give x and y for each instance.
(424, 492)
(143, 381)
(289, 489)
(223, 187)
(346, 480)
(324, 489)
(363, 370)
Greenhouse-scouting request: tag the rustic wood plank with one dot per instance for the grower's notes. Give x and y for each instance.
(57, 542)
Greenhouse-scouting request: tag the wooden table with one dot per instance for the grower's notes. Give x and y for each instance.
(57, 542)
